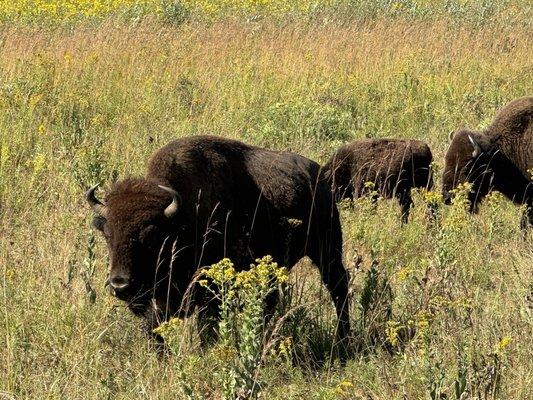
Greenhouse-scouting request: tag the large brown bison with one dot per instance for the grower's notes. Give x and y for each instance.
(391, 167)
(204, 198)
(498, 158)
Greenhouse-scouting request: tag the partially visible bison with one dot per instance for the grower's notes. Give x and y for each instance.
(204, 198)
(393, 166)
(498, 158)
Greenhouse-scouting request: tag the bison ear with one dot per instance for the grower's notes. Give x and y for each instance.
(476, 147)
(99, 222)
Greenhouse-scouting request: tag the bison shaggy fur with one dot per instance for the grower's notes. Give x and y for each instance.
(497, 158)
(394, 166)
(231, 200)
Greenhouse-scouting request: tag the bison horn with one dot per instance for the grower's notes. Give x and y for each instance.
(172, 208)
(475, 145)
(451, 135)
(95, 204)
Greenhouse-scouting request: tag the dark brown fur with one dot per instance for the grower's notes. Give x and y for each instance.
(504, 163)
(394, 166)
(235, 202)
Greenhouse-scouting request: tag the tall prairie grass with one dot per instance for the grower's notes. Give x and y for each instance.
(88, 103)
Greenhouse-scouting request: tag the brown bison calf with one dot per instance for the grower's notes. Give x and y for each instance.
(498, 158)
(205, 198)
(394, 166)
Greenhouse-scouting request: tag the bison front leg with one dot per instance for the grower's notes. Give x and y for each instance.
(406, 202)
(207, 324)
(208, 317)
(326, 254)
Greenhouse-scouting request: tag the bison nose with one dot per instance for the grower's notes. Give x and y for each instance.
(119, 283)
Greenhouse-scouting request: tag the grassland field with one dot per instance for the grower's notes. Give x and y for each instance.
(89, 89)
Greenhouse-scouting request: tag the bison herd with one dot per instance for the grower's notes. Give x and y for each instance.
(204, 198)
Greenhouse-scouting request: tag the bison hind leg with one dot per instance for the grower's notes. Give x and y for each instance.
(335, 278)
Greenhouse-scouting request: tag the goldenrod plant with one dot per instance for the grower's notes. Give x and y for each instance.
(241, 329)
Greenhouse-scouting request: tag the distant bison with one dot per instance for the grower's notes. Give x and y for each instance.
(499, 158)
(393, 166)
(205, 198)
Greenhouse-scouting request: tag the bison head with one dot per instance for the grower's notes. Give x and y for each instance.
(138, 222)
(469, 159)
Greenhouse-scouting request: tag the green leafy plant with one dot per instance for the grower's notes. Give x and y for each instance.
(242, 298)
(242, 336)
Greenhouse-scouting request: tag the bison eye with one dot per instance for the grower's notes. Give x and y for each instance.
(148, 234)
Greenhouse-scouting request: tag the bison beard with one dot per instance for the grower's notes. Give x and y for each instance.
(204, 198)
(499, 158)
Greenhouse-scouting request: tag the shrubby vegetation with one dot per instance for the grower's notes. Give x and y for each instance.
(440, 309)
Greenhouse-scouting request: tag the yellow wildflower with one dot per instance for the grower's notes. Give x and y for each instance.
(369, 185)
(403, 273)
(432, 197)
(503, 344)
(39, 162)
(393, 327)
(343, 388)
(169, 330)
